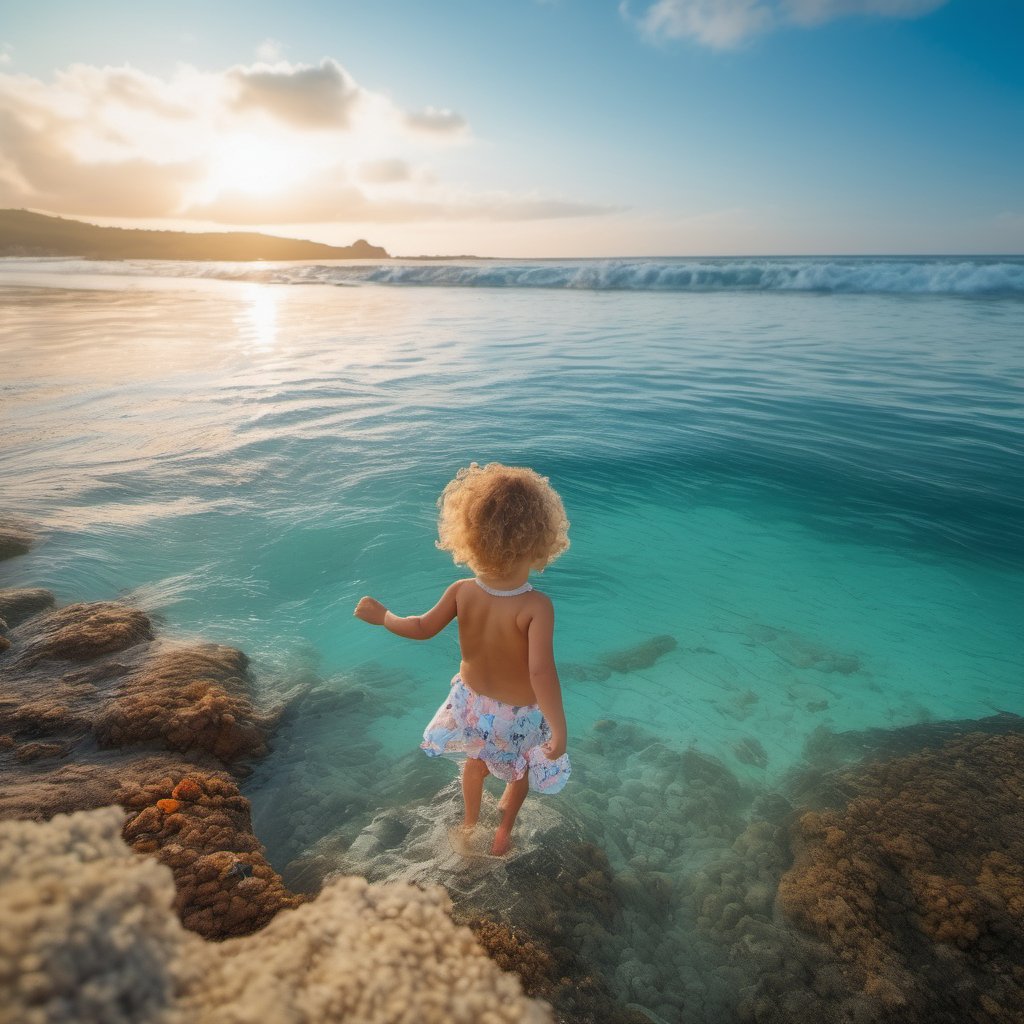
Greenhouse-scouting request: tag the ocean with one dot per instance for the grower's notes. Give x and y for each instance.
(796, 490)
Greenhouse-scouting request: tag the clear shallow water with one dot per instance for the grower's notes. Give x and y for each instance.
(819, 497)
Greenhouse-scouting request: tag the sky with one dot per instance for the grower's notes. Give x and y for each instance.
(519, 128)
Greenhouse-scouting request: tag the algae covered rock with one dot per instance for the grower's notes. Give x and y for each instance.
(185, 698)
(917, 884)
(200, 827)
(83, 631)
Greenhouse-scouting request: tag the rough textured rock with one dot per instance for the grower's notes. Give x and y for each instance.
(80, 632)
(89, 935)
(199, 826)
(94, 711)
(187, 698)
(917, 885)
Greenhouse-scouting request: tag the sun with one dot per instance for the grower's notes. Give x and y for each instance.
(254, 164)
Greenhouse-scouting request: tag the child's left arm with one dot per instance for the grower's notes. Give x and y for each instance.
(414, 627)
(544, 675)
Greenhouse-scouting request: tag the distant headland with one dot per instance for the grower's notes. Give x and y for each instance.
(24, 233)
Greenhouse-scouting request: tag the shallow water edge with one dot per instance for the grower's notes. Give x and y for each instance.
(880, 877)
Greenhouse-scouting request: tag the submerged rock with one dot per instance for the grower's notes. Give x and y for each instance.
(18, 605)
(642, 655)
(750, 751)
(15, 539)
(917, 884)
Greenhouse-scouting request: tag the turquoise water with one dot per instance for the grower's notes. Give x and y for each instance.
(816, 493)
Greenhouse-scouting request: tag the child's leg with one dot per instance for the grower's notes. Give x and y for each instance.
(511, 800)
(474, 771)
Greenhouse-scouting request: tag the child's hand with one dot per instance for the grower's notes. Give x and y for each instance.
(370, 610)
(554, 748)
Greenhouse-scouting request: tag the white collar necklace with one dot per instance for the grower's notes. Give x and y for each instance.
(503, 593)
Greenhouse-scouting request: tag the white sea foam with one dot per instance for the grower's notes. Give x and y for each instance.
(945, 275)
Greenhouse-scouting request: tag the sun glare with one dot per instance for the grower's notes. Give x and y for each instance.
(258, 322)
(254, 165)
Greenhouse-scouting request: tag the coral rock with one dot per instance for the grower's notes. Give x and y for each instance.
(88, 935)
(188, 698)
(208, 843)
(918, 885)
(82, 631)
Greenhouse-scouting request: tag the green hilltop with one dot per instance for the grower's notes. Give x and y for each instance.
(24, 233)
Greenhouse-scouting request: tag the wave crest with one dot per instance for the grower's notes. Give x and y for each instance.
(948, 276)
(937, 275)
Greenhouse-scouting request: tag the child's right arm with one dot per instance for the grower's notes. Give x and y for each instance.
(414, 627)
(544, 675)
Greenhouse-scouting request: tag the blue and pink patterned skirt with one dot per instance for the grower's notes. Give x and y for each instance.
(506, 737)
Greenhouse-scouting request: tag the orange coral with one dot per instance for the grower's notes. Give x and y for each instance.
(187, 789)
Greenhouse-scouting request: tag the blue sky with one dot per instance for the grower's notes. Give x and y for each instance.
(519, 127)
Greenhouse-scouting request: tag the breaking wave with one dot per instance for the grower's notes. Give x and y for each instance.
(945, 275)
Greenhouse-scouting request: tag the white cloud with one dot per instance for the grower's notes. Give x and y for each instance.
(269, 50)
(6, 50)
(716, 23)
(725, 24)
(259, 144)
(430, 119)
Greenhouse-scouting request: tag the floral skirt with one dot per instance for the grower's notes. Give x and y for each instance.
(506, 737)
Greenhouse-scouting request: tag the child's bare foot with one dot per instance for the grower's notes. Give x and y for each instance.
(461, 838)
(502, 842)
(503, 801)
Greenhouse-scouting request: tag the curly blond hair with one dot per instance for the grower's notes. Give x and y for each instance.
(492, 518)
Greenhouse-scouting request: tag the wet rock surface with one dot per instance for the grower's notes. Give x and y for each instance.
(15, 538)
(17, 605)
(188, 698)
(199, 826)
(80, 632)
(95, 710)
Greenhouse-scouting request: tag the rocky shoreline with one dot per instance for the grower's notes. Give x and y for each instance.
(97, 710)
(883, 882)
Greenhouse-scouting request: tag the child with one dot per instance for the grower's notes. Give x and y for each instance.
(504, 712)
